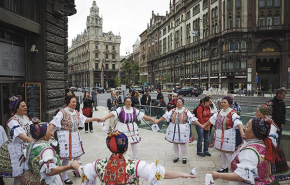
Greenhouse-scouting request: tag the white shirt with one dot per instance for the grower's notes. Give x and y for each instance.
(3, 136)
(139, 114)
(56, 121)
(18, 130)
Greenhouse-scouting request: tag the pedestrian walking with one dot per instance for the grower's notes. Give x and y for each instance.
(279, 110)
(178, 131)
(11, 151)
(95, 98)
(88, 110)
(66, 122)
(203, 114)
(228, 131)
(120, 169)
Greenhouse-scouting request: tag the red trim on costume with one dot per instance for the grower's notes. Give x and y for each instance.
(70, 146)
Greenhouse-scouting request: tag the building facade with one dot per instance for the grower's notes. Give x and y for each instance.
(33, 46)
(225, 44)
(94, 56)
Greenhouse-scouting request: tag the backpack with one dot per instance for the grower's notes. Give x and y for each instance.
(195, 110)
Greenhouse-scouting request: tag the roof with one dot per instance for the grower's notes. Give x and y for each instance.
(137, 43)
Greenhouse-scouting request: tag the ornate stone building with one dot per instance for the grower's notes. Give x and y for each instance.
(227, 44)
(33, 39)
(94, 56)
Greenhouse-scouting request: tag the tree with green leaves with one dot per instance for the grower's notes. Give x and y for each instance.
(117, 81)
(130, 72)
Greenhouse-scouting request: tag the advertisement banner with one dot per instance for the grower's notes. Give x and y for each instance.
(11, 60)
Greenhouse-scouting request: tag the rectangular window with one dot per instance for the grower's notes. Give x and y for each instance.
(107, 47)
(269, 3)
(238, 22)
(107, 56)
(114, 57)
(96, 46)
(113, 47)
(96, 66)
(230, 23)
(107, 66)
(261, 3)
(276, 20)
(238, 4)
(276, 3)
(96, 55)
(113, 66)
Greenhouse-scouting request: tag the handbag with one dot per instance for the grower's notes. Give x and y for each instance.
(87, 111)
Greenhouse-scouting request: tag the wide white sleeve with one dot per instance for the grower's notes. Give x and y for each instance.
(139, 114)
(150, 172)
(191, 117)
(214, 109)
(247, 168)
(236, 119)
(167, 115)
(16, 129)
(213, 118)
(56, 121)
(116, 113)
(88, 174)
(83, 120)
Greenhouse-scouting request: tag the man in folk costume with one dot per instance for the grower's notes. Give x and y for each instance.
(120, 169)
(67, 122)
(228, 131)
(249, 164)
(11, 152)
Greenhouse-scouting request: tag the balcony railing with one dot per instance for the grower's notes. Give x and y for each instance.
(29, 9)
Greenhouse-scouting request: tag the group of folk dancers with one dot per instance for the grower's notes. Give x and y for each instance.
(28, 157)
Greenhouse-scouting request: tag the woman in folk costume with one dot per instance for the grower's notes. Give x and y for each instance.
(228, 131)
(67, 122)
(127, 116)
(275, 154)
(178, 131)
(11, 152)
(249, 163)
(120, 169)
(44, 164)
(3, 139)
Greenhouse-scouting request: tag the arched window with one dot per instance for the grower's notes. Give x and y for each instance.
(216, 11)
(262, 20)
(230, 23)
(243, 45)
(238, 22)
(277, 19)
(216, 28)
(269, 20)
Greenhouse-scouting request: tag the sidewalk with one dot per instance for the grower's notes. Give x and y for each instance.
(152, 147)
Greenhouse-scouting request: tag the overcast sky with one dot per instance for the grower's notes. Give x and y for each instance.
(127, 17)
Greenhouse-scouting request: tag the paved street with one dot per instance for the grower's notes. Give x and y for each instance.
(152, 147)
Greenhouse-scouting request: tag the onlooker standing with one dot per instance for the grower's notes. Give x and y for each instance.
(118, 97)
(3, 138)
(112, 104)
(169, 97)
(72, 90)
(172, 103)
(219, 106)
(145, 100)
(94, 96)
(159, 93)
(203, 115)
(88, 110)
(236, 106)
(279, 110)
(135, 99)
(161, 111)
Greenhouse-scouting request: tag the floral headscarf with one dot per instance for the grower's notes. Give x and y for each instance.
(115, 172)
(14, 103)
(229, 99)
(266, 110)
(38, 131)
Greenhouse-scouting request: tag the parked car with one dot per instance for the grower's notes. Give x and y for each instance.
(100, 90)
(140, 90)
(85, 89)
(189, 91)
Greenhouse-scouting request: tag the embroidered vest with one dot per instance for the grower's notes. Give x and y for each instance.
(181, 117)
(264, 166)
(225, 122)
(70, 122)
(127, 117)
(131, 176)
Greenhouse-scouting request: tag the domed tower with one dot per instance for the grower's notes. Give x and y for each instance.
(94, 22)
